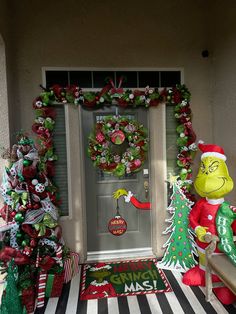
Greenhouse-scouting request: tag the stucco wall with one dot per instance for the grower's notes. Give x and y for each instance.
(4, 126)
(223, 33)
(4, 110)
(105, 34)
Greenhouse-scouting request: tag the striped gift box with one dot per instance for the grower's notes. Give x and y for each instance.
(71, 266)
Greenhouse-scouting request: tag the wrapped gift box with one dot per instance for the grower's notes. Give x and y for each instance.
(28, 299)
(71, 266)
(54, 285)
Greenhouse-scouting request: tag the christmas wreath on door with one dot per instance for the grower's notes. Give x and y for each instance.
(118, 145)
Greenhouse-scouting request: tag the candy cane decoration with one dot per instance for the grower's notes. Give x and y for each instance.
(28, 193)
(41, 288)
(59, 255)
(37, 259)
(7, 213)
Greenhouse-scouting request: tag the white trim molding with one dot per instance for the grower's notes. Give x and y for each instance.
(120, 254)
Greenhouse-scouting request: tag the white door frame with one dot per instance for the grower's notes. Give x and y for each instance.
(74, 225)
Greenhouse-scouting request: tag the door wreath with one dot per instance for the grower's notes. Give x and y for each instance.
(118, 145)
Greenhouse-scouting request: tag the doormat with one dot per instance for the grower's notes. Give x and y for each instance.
(115, 279)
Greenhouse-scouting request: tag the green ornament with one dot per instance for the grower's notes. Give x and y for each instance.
(18, 235)
(120, 170)
(180, 164)
(19, 217)
(27, 163)
(24, 243)
(182, 141)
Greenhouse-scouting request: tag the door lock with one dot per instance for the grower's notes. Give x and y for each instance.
(146, 189)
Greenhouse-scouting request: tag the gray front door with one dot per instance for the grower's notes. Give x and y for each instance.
(100, 205)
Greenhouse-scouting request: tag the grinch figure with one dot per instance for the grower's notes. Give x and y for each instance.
(99, 288)
(212, 184)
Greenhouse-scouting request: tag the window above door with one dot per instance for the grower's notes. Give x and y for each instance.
(90, 79)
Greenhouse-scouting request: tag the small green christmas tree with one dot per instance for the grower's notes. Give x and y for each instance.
(180, 247)
(11, 302)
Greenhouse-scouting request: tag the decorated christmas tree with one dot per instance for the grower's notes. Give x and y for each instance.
(30, 234)
(180, 247)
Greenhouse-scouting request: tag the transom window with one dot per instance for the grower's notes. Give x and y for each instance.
(97, 79)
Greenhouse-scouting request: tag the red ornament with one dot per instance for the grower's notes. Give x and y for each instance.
(118, 137)
(117, 226)
(33, 243)
(36, 206)
(22, 208)
(13, 214)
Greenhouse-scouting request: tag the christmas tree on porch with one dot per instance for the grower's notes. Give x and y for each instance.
(30, 233)
(180, 246)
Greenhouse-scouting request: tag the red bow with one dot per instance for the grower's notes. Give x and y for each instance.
(186, 160)
(117, 90)
(8, 253)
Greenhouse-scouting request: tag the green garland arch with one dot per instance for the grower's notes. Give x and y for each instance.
(178, 96)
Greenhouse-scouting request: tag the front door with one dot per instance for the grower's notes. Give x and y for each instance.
(100, 205)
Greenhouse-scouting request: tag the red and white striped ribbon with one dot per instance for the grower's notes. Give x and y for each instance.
(75, 257)
(68, 270)
(27, 190)
(59, 252)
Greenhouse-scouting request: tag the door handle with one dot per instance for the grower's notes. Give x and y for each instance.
(146, 189)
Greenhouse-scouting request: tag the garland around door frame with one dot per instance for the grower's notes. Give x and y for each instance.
(178, 96)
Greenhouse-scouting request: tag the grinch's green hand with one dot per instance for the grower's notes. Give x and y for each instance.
(118, 193)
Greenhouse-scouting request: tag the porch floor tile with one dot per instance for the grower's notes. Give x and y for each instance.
(182, 300)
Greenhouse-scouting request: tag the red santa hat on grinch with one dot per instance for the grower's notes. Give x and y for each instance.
(211, 150)
(100, 266)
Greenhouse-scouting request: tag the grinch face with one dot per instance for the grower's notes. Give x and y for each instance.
(213, 180)
(100, 274)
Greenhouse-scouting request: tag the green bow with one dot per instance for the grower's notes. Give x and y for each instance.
(47, 221)
(16, 197)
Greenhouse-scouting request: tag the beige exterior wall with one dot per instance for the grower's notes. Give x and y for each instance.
(101, 34)
(223, 34)
(4, 109)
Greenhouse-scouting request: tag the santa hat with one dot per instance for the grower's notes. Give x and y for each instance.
(211, 150)
(100, 266)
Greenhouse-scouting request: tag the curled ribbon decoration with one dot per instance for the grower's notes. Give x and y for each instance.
(47, 222)
(116, 92)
